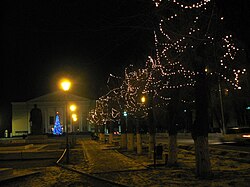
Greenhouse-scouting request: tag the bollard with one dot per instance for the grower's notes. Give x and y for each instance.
(166, 159)
(6, 133)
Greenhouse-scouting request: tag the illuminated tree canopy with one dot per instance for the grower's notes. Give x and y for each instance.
(185, 31)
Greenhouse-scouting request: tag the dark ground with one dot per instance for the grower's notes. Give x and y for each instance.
(127, 168)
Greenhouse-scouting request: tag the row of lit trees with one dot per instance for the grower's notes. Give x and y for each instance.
(192, 52)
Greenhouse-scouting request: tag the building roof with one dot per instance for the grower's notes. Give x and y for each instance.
(57, 97)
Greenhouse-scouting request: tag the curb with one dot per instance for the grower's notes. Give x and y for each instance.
(13, 176)
(91, 176)
(24, 155)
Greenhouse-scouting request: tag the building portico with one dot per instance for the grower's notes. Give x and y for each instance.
(52, 104)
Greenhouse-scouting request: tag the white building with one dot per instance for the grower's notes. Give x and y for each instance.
(50, 105)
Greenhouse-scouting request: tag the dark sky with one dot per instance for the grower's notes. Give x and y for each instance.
(86, 40)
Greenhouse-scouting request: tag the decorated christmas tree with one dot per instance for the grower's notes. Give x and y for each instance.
(57, 127)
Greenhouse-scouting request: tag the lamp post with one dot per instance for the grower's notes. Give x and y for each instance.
(65, 85)
(151, 123)
(124, 123)
(125, 114)
(138, 133)
(152, 130)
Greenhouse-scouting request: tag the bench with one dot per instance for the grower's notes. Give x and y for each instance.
(21, 133)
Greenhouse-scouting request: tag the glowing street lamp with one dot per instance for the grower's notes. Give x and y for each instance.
(125, 114)
(65, 84)
(74, 117)
(72, 108)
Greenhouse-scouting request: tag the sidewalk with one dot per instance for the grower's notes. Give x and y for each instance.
(106, 162)
(104, 158)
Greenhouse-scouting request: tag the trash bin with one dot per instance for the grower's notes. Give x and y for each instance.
(158, 151)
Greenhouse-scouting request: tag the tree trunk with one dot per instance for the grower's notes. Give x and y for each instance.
(203, 166)
(101, 137)
(123, 133)
(151, 127)
(139, 143)
(201, 124)
(101, 134)
(111, 137)
(138, 138)
(172, 150)
(96, 129)
(151, 144)
(123, 141)
(172, 129)
(130, 141)
(111, 133)
(130, 135)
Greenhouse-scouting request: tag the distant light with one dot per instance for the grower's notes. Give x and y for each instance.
(125, 114)
(185, 110)
(72, 108)
(226, 91)
(143, 99)
(248, 108)
(74, 117)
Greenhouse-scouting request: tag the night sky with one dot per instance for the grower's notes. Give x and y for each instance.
(85, 40)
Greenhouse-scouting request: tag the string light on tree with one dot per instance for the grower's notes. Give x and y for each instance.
(170, 69)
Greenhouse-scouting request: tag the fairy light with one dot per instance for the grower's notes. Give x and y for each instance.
(157, 2)
(158, 74)
(180, 45)
(191, 6)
